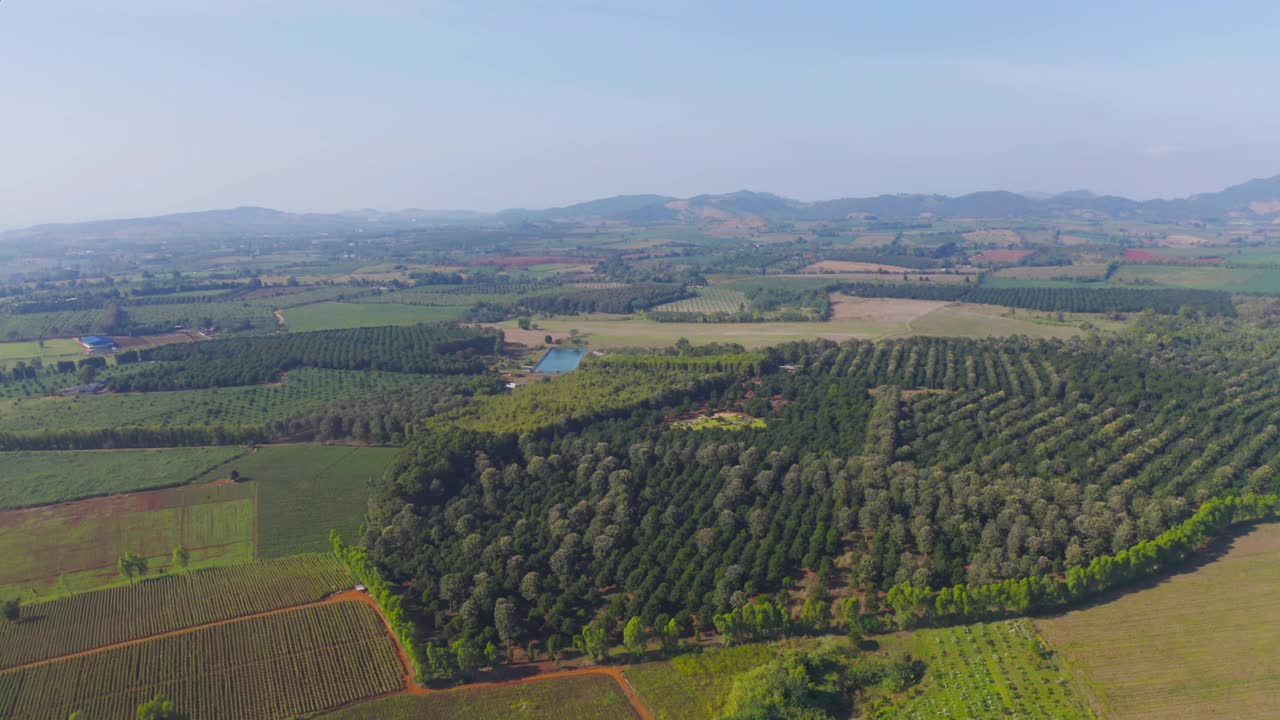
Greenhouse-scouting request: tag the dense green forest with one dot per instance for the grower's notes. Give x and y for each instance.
(1166, 301)
(923, 463)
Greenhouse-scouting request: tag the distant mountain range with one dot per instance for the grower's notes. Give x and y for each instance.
(1257, 199)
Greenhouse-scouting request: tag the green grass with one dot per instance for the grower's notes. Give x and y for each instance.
(58, 550)
(1203, 277)
(977, 321)
(11, 352)
(589, 697)
(694, 686)
(335, 315)
(303, 389)
(1202, 643)
(988, 670)
(227, 315)
(714, 299)
(46, 477)
(51, 324)
(306, 490)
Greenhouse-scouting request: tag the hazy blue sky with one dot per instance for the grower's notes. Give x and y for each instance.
(125, 107)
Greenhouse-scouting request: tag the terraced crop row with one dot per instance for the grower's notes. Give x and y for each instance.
(172, 602)
(267, 668)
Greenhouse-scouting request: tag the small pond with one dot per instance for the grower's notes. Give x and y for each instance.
(560, 360)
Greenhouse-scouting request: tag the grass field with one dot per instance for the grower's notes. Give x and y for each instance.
(988, 670)
(694, 686)
(1231, 279)
(589, 697)
(306, 490)
(968, 320)
(11, 352)
(335, 315)
(44, 478)
(56, 550)
(167, 603)
(303, 389)
(713, 299)
(1203, 643)
(266, 668)
(227, 315)
(48, 325)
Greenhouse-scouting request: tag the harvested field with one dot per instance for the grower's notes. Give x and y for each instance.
(884, 310)
(1203, 643)
(836, 266)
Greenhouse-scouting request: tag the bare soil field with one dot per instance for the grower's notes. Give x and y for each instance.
(1199, 644)
(881, 310)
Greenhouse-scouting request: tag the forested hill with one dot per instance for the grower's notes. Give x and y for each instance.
(927, 462)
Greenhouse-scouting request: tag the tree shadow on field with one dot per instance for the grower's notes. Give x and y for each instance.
(1213, 550)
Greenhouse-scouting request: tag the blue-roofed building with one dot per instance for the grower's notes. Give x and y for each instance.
(96, 343)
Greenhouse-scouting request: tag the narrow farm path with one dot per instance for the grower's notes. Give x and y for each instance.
(279, 316)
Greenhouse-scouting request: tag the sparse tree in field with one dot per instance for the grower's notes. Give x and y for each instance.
(553, 647)
(592, 642)
(465, 655)
(181, 557)
(851, 618)
(671, 636)
(549, 340)
(12, 609)
(491, 654)
(633, 638)
(133, 565)
(159, 708)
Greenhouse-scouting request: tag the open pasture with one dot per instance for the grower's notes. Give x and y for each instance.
(342, 315)
(56, 550)
(167, 603)
(61, 348)
(66, 324)
(586, 697)
(266, 668)
(1207, 277)
(33, 478)
(842, 266)
(711, 299)
(977, 321)
(306, 490)
(1201, 643)
(694, 686)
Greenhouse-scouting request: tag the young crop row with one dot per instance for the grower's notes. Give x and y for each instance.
(995, 670)
(267, 668)
(164, 604)
(50, 324)
(709, 300)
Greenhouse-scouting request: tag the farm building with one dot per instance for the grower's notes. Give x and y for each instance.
(96, 343)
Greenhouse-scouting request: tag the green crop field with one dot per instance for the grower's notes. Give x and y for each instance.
(56, 550)
(11, 352)
(694, 686)
(49, 325)
(590, 697)
(976, 321)
(306, 490)
(227, 315)
(336, 315)
(265, 668)
(988, 670)
(1202, 643)
(163, 604)
(713, 299)
(303, 389)
(1203, 277)
(46, 477)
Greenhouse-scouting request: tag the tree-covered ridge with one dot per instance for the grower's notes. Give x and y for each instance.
(925, 462)
(1167, 301)
(443, 349)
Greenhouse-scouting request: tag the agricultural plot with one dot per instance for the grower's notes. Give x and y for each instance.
(694, 686)
(234, 315)
(1202, 643)
(336, 315)
(978, 321)
(31, 326)
(47, 477)
(265, 668)
(12, 352)
(306, 490)
(712, 299)
(303, 389)
(57, 550)
(987, 670)
(1203, 277)
(588, 697)
(164, 604)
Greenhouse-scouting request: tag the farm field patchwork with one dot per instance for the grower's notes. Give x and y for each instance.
(60, 549)
(336, 315)
(987, 670)
(306, 490)
(171, 602)
(266, 668)
(1201, 643)
(302, 389)
(47, 477)
(587, 697)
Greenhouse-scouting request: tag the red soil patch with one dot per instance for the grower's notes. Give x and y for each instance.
(1002, 256)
